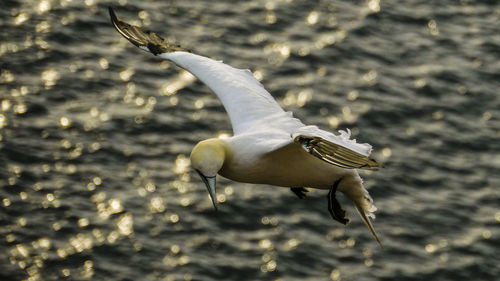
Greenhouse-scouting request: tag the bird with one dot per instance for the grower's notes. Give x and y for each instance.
(269, 146)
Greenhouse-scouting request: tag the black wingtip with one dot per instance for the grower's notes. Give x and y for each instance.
(117, 24)
(112, 15)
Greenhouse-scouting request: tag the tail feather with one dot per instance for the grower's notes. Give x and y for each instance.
(353, 188)
(367, 222)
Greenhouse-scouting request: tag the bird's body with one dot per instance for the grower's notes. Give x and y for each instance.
(263, 151)
(269, 145)
(288, 166)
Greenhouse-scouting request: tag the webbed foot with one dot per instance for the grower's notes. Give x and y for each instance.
(334, 207)
(300, 192)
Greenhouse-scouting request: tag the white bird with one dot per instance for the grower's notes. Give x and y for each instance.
(269, 145)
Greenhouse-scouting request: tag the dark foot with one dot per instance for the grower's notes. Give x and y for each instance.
(300, 192)
(334, 207)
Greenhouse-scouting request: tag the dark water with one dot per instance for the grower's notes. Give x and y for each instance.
(95, 135)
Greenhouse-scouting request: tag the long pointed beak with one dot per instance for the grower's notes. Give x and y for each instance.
(210, 183)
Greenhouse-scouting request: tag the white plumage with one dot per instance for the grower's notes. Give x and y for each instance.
(269, 145)
(250, 106)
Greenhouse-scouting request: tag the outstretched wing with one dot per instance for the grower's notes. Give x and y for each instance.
(246, 101)
(249, 106)
(335, 154)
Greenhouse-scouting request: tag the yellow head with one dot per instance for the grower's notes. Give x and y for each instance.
(207, 158)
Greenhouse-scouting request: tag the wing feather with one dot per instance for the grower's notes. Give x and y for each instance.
(246, 101)
(335, 154)
(250, 107)
(143, 39)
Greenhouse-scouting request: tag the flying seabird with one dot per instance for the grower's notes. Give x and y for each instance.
(269, 145)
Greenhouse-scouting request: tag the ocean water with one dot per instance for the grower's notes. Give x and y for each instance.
(95, 136)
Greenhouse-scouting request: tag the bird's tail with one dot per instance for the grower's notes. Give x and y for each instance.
(353, 188)
(367, 221)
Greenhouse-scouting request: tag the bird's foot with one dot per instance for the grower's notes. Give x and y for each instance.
(334, 207)
(300, 192)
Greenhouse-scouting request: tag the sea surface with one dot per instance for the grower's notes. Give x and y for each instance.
(95, 136)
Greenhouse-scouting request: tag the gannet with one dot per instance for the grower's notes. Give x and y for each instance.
(268, 146)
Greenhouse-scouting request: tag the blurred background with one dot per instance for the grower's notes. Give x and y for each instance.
(95, 136)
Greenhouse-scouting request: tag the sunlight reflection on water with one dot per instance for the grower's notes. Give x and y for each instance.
(95, 137)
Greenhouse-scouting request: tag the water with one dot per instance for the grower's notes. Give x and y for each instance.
(95, 137)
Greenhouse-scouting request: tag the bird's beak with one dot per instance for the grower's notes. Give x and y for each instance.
(210, 183)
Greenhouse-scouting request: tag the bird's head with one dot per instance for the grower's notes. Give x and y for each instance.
(207, 158)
